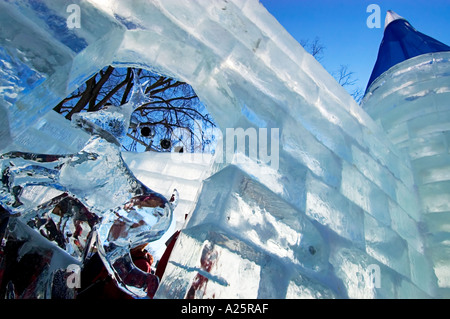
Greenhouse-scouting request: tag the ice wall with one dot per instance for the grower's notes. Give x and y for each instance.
(165, 172)
(336, 217)
(43, 51)
(411, 102)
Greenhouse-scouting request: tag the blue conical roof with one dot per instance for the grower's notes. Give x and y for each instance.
(401, 42)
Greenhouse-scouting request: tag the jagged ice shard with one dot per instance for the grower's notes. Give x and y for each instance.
(335, 214)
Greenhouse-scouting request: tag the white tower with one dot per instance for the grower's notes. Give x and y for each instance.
(409, 95)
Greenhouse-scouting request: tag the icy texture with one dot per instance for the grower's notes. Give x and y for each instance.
(340, 203)
(168, 171)
(411, 102)
(102, 198)
(113, 120)
(25, 246)
(252, 234)
(103, 193)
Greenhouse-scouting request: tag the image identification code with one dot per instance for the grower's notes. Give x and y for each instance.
(234, 308)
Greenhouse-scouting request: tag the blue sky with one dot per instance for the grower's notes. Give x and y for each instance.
(342, 29)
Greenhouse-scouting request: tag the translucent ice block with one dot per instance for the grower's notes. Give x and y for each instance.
(236, 203)
(411, 102)
(331, 209)
(281, 231)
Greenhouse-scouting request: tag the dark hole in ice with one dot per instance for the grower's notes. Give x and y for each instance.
(165, 108)
(165, 144)
(145, 131)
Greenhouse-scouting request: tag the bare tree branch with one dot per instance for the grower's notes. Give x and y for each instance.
(314, 47)
(345, 77)
(173, 104)
(92, 89)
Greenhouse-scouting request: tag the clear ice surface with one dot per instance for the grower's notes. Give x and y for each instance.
(100, 193)
(339, 216)
(410, 101)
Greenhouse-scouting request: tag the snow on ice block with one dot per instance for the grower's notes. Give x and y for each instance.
(239, 205)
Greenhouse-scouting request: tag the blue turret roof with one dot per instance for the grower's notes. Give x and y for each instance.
(401, 42)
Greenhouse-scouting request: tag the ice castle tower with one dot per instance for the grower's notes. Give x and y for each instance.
(335, 214)
(409, 96)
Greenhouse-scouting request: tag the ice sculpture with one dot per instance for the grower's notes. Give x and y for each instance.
(338, 217)
(99, 191)
(410, 101)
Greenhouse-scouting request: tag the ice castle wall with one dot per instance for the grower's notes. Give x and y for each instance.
(338, 216)
(411, 103)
